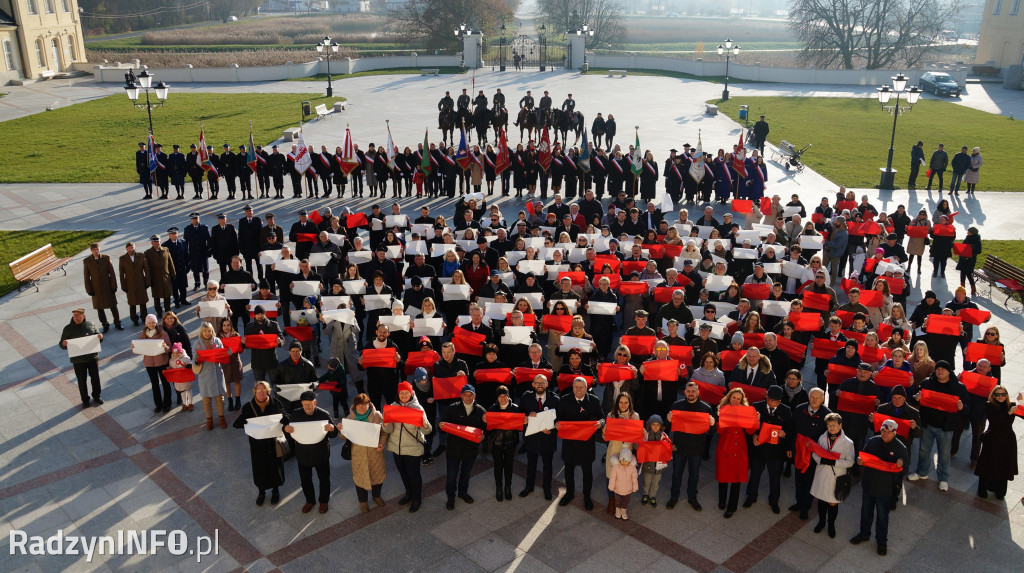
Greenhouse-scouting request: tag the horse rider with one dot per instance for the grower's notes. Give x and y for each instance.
(444, 106)
(480, 100)
(463, 101)
(498, 99)
(544, 108)
(569, 105)
(525, 103)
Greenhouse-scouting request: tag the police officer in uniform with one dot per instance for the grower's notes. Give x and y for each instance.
(195, 171)
(178, 169)
(213, 175)
(223, 242)
(262, 172)
(142, 168)
(463, 102)
(197, 237)
(480, 100)
(178, 249)
(276, 165)
(227, 169)
(249, 228)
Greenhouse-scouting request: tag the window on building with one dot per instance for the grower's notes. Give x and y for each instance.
(40, 58)
(71, 49)
(1015, 9)
(9, 54)
(998, 8)
(32, 7)
(65, 5)
(50, 9)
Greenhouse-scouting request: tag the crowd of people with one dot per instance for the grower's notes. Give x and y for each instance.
(659, 336)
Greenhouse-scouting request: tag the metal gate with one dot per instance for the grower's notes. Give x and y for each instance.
(529, 53)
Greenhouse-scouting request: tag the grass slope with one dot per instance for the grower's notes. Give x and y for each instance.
(95, 142)
(14, 244)
(851, 136)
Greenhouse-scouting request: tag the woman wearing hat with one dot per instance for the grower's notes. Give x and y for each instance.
(405, 442)
(155, 365)
(971, 176)
(267, 467)
(368, 464)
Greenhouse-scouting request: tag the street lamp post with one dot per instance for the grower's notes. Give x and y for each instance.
(585, 32)
(146, 84)
(461, 31)
(729, 50)
(326, 46)
(543, 48)
(501, 66)
(885, 93)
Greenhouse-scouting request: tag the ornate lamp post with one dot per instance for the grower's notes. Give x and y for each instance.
(501, 66)
(461, 31)
(885, 93)
(543, 47)
(585, 32)
(729, 50)
(146, 84)
(326, 46)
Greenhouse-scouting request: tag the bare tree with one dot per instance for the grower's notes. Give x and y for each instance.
(877, 34)
(433, 22)
(604, 16)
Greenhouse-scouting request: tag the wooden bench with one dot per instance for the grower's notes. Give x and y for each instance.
(429, 71)
(1003, 276)
(710, 109)
(620, 73)
(47, 74)
(290, 134)
(37, 264)
(322, 111)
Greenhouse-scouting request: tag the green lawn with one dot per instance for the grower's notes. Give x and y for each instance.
(1009, 251)
(14, 244)
(670, 74)
(95, 142)
(851, 136)
(388, 72)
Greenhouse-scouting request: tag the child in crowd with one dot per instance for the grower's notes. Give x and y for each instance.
(179, 359)
(623, 481)
(651, 471)
(335, 376)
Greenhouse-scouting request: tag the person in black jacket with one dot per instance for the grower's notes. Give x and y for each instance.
(855, 425)
(267, 468)
(461, 452)
(313, 456)
(579, 406)
(688, 449)
(808, 421)
(768, 454)
(916, 161)
(249, 240)
(263, 361)
(447, 367)
(938, 424)
(541, 444)
(503, 447)
(881, 487)
(223, 242)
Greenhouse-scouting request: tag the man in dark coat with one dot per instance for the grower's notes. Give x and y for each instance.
(101, 286)
(688, 449)
(916, 161)
(263, 171)
(381, 263)
(264, 360)
(228, 169)
(855, 425)
(937, 165)
(213, 175)
(249, 228)
(85, 364)
(276, 165)
(938, 424)
(773, 453)
(161, 272)
(142, 168)
(197, 237)
(195, 172)
(223, 242)
(541, 444)
(303, 227)
(178, 249)
(579, 406)
(898, 408)
(163, 172)
(244, 172)
(238, 276)
(449, 366)
(881, 487)
(178, 168)
(808, 421)
(313, 456)
(461, 452)
(760, 134)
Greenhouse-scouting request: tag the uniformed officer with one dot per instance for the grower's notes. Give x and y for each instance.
(480, 100)
(276, 165)
(197, 237)
(569, 105)
(195, 171)
(525, 103)
(262, 171)
(161, 274)
(178, 169)
(498, 99)
(249, 228)
(544, 107)
(227, 169)
(302, 227)
(142, 168)
(244, 172)
(163, 171)
(178, 249)
(223, 242)
(463, 101)
(444, 106)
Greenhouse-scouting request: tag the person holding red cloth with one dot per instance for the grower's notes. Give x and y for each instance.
(938, 424)
(731, 456)
(881, 487)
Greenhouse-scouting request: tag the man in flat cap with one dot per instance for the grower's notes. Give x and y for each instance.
(178, 249)
(177, 166)
(161, 274)
(197, 238)
(86, 365)
(223, 242)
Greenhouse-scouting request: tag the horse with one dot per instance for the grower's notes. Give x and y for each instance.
(499, 120)
(527, 121)
(447, 121)
(482, 120)
(564, 123)
(464, 119)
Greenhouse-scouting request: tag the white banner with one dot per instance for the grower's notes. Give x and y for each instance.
(237, 292)
(291, 392)
(396, 220)
(604, 308)
(359, 257)
(718, 283)
(309, 433)
(400, 322)
(517, 335)
(332, 302)
(264, 427)
(213, 309)
(427, 327)
(567, 343)
(149, 347)
(343, 315)
(455, 292)
(542, 421)
(361, 433)
(813, 242)
(270, 257)
(319, 259)
(354, 287)
(439, 249)
(306, 288)
(775, 308)
(287, 266)
(377, 301)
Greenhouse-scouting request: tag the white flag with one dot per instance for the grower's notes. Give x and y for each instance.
(302, 159)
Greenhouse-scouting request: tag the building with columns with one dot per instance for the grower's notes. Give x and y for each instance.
(39, 38)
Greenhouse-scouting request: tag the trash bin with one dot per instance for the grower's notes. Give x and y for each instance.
(743, 112)
(306, 109)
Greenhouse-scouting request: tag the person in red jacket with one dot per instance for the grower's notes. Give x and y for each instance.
(477, 272)
(731, 457)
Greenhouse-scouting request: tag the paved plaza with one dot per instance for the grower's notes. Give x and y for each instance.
(121, 467)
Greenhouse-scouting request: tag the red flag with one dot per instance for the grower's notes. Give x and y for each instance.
(710, 393)
(544, 150)
(664, 294)
(902, 426)
(738, 158)
(889, 377)
(614, 281)
(974, 316)
(844, 205)
(526, 375)
(852, 335)
(738, 417)
(380, 357)
(918, 231)
(502, 159)
(305, 238)
(639, 345)
(691, 422)
(794, 350)
(611, 260)
(232, 342)
(978, 384)
(817, 218)
(505, 420)
(528, 319)
(475, 435)
(826, 348)
(654, 451)
(468, 342)
(576, 431)
(217, 355)
(356, 220)
(421, 359)
(179, 375)
(261, 341)
(838, 373)
(804, 448)
(627, 288)
(868, 354)
(742, 206)
(756, 291)
(684, 354)
(847, 284)
(561, 323)
(856, 403)
(578, 278)
(661, 370)
(805, 321)
(492, 376)
(978, 350)
(962, 250)
(817, 301)
(621, 430)
(755, 339)
(769, 434)
(846, 317)
(871, 298)
(939, 401)
(565, 381)
(300, 333)
(448, 388)
(766, 204)
(874, 462)
(753, 393)
(941, 324)
(403, 415)
(271, 312)
(316, 217)
(730, 358)
(607, 372)
(944, 231)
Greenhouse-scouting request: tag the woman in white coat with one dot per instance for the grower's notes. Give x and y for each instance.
(824, 485)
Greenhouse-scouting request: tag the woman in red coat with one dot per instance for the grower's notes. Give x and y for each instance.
(731, 467)
(476, 272)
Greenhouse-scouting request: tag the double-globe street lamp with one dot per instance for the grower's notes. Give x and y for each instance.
(145, 82)
(885, 93)
(729, 50)
(585, 32)
(328, 47)
(460, 32)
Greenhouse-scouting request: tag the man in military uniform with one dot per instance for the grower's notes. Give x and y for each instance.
(444, 106)
(760, 134)
(213, 175)
(178, 249)
(142, 168)
(134, 273)
(525, 103)
(223, 242)
(249, 228)
(544, 107)
(498, 99)
(276, 165)
(195, 171)
(569, 105)
(161, 274)
(197, 237)
(101, 285)
(227, 169)
(244, 172)
(302, 227)
(324, 163)
(463, 102)
(176, 164)
(163, 171)
(480, 100)
(262, 171)
(295, 175)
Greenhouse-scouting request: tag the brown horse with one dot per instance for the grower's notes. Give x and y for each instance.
(527, 122)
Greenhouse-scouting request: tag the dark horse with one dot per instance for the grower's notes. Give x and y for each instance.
(564, 123)
(499, 120)
(482, 120)
(447, 121)
(528, 122)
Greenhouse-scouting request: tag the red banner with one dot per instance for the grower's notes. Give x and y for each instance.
(614, 281)
(691, 422)
(607, 373)
(838, 373)
(793, 349)
(856, 403)
(974, 316)
(889, 377)
(261, 341)
(847, 284)
(468, 342)
(218, 355)
(492, 376)
(475, 435)
(869, 354)
(421, 359)
(558, 322)
(805, 321)
(939, 401)
(179, 375)
(576, 431)
(403, 415)
(817, 218)
(918, 232)
(753, 393)
(756, 291)
(300, 333)
(711, 393)
(826, 348)
(876, 463)
(305, 237)
(270, 310)
(942, 324)
(978, 384)
(742, 206)
(565, 381)
(380, 357)
(978, 350)
(232, 342)
(505, 420)
(449, 387)
(804, 448)
(526, 375)
(902, 426)
(962, 250)
(639, 345)
(356, 220)
(684, 354)
(860, 337)
(769, 434)
(664, 294)
(871, 298)
(621, 430)
(601, 260)
(329, 386)
(661, 370)
(577, 277)
(671, 252)
(755, 339)
(738, 417)
(817, 301)
(630, 266)
(730, 358)
(633, 287)
(654, 451)
(944, 231)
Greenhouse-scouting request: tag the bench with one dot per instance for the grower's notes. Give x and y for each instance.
(786, 148)
(1003, 276)
(322, 111)
(620, 73)
(429, 71)
(339, 106)
(47, 74)
(710, 109)
(290, 134)
(37, 264)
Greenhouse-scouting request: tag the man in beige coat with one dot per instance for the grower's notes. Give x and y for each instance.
(161, 274)
(135, 278)
(101, 285)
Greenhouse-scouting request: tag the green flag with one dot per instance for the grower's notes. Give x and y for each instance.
(637, 161)
(425, 160)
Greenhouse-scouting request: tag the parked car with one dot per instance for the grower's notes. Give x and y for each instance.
(939, 83)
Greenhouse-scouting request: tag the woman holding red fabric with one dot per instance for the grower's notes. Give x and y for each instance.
(731, 457)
